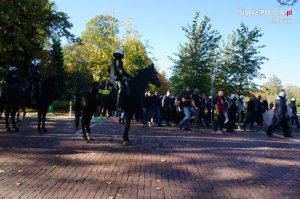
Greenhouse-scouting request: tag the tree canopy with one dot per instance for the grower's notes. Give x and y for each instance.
(196, 57)
(240, 61)
(233, 66)
(93, 55)
(25, 28)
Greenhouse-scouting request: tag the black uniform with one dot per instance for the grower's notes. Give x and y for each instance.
(117, 74)
(34, 74)
(12, 78)
(166, 100)
(232, 110)
(279, 118)
(250, 113)
(294, 118)
(35, 79)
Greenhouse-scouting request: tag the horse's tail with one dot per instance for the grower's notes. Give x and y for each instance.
(77, 109)
(1, 102)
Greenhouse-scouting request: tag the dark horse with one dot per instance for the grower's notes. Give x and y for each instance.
(87, 100)
(17, 96)
(10, 103)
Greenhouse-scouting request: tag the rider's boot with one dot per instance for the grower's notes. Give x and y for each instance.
(119, 102)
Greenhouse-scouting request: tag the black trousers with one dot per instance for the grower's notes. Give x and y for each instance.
(220, 121)
(249, 119)
(283, 123)
(294, 119)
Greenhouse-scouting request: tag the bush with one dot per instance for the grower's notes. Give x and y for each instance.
(61, 105)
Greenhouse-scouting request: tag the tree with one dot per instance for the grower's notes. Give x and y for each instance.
(25, 27)
(93, 55)
(273, 85)
(57, 63)
(241, 61)
(292, 91)
(196, 57)
(270, 88)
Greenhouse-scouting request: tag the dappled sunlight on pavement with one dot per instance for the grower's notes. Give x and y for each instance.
(161, 163)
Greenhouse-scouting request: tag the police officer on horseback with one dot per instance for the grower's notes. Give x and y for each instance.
(35, 79)
(118, 76)
(12, 76)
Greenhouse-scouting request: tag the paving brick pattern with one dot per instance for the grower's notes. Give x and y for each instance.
(162, 163)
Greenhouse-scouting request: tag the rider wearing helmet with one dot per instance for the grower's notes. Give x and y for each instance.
(117, 74)
(12, 76)
(280, 116)
(293, 106)
(35, 79)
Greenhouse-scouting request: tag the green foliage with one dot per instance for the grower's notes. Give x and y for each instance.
(93, 54)
(91, 57)
(136, 56)
(292, 91)
(58, 68)
(241, 61)
(61, 105)
(25, 27)
(196, 57)
(235, 65)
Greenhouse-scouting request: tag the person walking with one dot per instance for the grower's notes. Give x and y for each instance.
(250, 114)
(294, 118)
(220, 107)
(187, 103)
(280, 118)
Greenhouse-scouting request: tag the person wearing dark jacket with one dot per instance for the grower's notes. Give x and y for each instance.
(147, 107)
(232, 111)
(250, 114)
(259, 111)
(280, 118)
(186, 103)
(294, 118)
(155, 107)
(210, 112)
(12, 76)
(35, 79)
(197, 100)
(117, 75)
(167, 107)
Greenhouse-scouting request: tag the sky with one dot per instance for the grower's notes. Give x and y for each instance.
(160, 22)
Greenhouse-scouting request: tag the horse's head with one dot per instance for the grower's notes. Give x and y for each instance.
(152, 75)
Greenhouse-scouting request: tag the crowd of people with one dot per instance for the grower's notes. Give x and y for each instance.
(192, 109)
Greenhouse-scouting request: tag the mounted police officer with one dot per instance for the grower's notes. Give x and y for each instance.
(35, 79)
(294, 118)
(280, 116)
(12, 76)
(118, 75)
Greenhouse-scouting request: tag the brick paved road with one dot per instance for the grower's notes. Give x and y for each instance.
(163, 163)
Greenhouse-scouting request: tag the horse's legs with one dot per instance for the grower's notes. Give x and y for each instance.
(39, 121)
(44, 120)
(6, 118)
(13, 118)
(128, 116)
(88, 128)
(24, 112)
(83, 124)
(18, 115)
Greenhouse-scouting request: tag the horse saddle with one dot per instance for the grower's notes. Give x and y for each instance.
(105, 87)
(104, 91)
